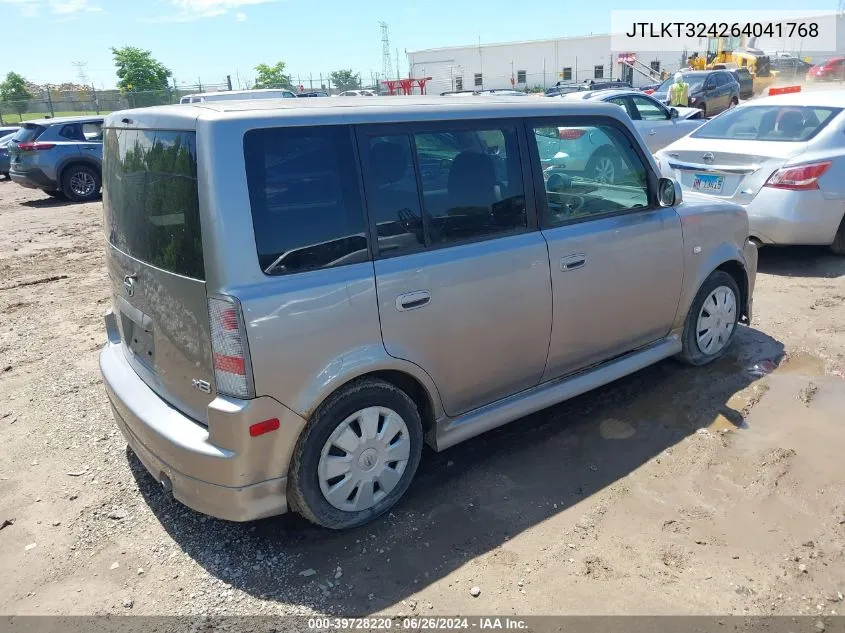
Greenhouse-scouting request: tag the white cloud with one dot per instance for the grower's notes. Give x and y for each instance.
(188, 10)
(32, 8)
(240, 16)
(67, 7)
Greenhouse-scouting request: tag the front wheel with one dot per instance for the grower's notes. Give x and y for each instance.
(703, 107)
(734, 102)
(711, 320)
(357, 456)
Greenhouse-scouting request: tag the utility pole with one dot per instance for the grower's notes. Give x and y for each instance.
(50, 101)
(386, 64)
(229, 81)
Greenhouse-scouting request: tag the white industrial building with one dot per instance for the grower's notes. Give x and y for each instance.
(541, 63)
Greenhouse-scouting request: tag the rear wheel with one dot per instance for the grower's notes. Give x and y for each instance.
(838, 245)
(603, 167)
(357, 456)
(711, 320)
(81, 183)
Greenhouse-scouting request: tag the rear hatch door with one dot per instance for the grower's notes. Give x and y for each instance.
(155, 261)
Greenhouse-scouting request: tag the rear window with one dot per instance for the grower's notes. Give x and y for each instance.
(768, 123)
(305, 198)
(150, 198)
(28, 133)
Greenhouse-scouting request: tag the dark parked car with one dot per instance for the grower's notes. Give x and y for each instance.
(790, 68)
(711, 91)
(745, 80)
(313, 93)
(61, 156)
(4, 154)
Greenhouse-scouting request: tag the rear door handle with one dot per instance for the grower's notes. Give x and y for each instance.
(413, 300)
(573, 262)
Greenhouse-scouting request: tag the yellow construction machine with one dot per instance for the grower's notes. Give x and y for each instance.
(733, 52)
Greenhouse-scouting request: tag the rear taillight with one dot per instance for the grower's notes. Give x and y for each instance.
(229, 348)
(570, 134)
(798, 178)
(35, 146)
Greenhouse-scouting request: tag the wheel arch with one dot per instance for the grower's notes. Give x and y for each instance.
(404, 375)
(76, 160)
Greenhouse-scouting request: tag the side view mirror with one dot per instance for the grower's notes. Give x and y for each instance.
(669, 192)
(673, 113)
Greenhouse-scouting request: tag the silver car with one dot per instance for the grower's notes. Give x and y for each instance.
(657, 123)
(304, 294)
(782, 158)
(60, 156)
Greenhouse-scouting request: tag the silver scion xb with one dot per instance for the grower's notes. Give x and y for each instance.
(304, 291)
(781, 157)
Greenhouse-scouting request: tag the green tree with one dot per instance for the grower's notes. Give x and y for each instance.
(14, 92)
(345, 80)
(139, 71)
(272, 76)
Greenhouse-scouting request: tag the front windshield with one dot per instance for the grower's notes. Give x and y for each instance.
(694, 81)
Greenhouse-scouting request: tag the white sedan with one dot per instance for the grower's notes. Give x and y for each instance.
(782, 158)
(658, 124)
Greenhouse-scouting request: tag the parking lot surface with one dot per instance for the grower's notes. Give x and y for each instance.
(676, 490)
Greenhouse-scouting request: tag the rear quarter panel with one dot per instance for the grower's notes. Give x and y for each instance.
(714, 232)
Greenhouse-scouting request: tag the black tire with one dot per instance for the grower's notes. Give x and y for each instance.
(691, 353)
(838, 245)
(703, 107)
(734, 102)
(597, 159)
(304, 493)
(85, 171)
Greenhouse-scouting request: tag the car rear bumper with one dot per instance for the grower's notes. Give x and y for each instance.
(219, 470)
(33, 179)
(779, 216)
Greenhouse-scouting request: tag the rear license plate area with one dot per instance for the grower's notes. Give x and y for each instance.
(708, 183)
(140, 341)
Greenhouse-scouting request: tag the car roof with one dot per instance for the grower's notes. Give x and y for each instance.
(607, 93)
(64, 119)
(356, 110)
(832, 98)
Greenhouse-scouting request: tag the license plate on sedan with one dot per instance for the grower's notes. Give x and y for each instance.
(708, 183)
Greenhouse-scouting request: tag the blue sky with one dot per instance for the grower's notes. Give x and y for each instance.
(213, 38)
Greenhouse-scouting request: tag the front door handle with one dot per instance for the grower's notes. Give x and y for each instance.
(651, 132)
(413, 300)
(573, 262)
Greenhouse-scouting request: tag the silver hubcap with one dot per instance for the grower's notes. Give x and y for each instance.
(716, 320)
(82, 183)
(604, 172)
(364, 458)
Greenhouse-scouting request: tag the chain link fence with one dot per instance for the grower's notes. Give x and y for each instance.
(82, 102)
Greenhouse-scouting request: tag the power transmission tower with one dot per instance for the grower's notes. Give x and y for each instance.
(80, 72)
(386, 61)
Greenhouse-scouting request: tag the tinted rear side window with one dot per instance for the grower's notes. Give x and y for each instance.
(305, 198)
(150, 198)
(28, 133)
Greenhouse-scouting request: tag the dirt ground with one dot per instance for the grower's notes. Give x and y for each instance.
(679, 490)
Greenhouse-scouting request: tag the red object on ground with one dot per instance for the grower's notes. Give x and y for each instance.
(406, 85)
(784, 90)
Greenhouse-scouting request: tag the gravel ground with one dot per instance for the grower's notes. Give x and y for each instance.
(677, 490)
